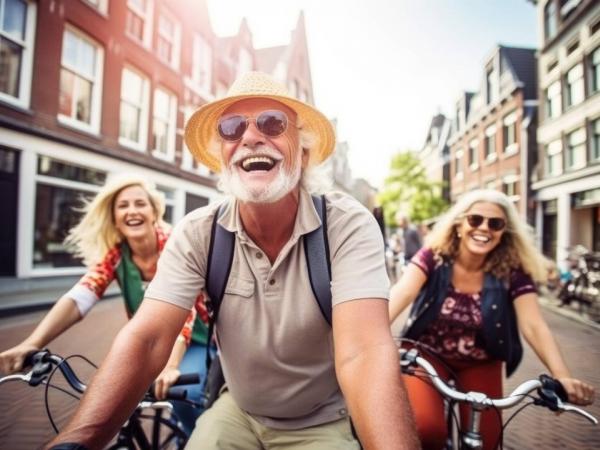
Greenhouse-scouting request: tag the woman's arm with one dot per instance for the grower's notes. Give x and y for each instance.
(62, 316)
(536, 332)
(404, 292)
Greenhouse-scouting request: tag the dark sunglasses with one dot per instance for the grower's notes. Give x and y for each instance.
(271, 123)
(494, 223)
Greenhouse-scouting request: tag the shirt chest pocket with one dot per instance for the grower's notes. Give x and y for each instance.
(239, 287)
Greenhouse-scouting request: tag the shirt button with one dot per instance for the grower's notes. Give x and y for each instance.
(498, 324)
(494, 306)
(271, 281)
(500, 342)
(343, 412)
(258, 255)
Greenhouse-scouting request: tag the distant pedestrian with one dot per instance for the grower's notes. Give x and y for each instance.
(410, 236)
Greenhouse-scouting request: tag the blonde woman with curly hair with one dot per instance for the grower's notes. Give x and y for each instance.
(121, 236)
(473, 289)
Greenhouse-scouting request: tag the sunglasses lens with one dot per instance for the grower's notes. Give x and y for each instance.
(272, 123)
(474, 220)
(231, 128)
(496, 223)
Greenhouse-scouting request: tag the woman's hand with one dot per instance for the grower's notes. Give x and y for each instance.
(579, 393)
(11, 360)
(164, 381)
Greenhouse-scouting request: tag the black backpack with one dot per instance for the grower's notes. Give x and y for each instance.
(220, 256)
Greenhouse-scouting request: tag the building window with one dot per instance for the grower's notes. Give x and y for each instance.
(595, 128)
(458, 164)
(202, 63)
(490, 184)
(510, 186)
(138, 20)
(509, 133)
(553, 100)
(100, 5)
(550, 19)
(133, 117)
(245, 62)
(575, 85)
(491, 85)
(80, 81)
(60, 189)
(576, 149)
(595, 70)
(163, 125)
(167, 41)
(474, 154)
(169, 194)
(17, 29)
(490, 143)
(554, 158)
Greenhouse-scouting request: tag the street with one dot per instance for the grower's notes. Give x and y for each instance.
(24, 424)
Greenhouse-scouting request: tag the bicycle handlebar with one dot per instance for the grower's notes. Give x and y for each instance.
(551, 393)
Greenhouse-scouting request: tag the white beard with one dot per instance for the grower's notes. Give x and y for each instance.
(231, 183)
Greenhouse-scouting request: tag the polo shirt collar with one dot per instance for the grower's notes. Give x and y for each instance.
(307, 218)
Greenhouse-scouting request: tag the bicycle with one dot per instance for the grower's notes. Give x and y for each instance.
(551, 394)
(152, 425)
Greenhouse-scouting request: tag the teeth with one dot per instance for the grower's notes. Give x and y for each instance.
(248, 162)
(479, 238)
(133, 222)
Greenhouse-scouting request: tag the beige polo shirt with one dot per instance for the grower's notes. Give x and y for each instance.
(276, 347)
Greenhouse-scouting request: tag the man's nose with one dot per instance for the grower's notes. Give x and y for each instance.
(252, 137)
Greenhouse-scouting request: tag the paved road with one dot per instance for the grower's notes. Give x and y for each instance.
(24, 425)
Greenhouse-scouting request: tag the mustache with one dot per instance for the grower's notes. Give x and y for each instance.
(261, 150)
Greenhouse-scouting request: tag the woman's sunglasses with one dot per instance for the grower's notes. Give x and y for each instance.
(494, 223)
(271, 123)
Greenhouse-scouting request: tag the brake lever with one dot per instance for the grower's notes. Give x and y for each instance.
(570, 408)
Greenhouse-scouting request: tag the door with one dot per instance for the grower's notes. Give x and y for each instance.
(9, 187)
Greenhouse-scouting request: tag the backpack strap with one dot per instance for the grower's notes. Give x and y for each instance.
(316, 249)
(217, 270)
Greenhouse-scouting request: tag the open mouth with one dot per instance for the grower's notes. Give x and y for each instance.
(258, 163)
(481, 238)
(134, 222)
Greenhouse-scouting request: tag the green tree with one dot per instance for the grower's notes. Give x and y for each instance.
(407, 189)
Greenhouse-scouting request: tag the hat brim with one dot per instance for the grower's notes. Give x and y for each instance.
(201, 128)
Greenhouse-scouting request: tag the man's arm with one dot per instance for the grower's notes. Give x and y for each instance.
(137, 355)
(368, 370)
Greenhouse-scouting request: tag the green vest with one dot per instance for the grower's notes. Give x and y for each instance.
(132, 289)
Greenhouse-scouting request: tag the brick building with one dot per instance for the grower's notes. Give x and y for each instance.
(91, 88)
(567, 183)
(492, 140)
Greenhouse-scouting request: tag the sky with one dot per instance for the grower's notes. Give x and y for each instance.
(383, 68)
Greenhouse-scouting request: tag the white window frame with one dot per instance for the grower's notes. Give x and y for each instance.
(202, 64)
(146, 16)
(512, 179)
(595, 140)
(174, 40)
(553, 97)
(575, 78)
(144, 107)
(510, 119)
(96, 101)
(169, 154)
(27, 45)
(99, 5)
(581, 133)
(187, 159)
(474, 145)
(554, 152)
(490, 134)
(458, 163)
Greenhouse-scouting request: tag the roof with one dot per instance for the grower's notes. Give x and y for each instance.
(523, 64)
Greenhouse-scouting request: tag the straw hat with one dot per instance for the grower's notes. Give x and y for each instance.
(201, 128)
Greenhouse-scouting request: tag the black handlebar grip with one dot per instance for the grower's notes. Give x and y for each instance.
(176, 394)
(68, 446)
(187, 378)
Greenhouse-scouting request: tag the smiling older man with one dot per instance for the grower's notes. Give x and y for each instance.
(293, 381)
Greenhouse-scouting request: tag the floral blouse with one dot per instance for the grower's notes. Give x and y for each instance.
(455, 334)
(91, 287)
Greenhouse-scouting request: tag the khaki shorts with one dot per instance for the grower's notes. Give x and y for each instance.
(226, 427)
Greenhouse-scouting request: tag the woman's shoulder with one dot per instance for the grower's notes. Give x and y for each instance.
(520, 283)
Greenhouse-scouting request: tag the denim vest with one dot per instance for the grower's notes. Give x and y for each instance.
(499, 332)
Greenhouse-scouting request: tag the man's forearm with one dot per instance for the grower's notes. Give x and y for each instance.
(117, 388)
(377, 399)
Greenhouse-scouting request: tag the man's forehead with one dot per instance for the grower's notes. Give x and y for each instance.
(255, 104)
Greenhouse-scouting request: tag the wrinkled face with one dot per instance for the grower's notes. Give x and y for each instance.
(261, 168)
(133, 213)
(481, 239)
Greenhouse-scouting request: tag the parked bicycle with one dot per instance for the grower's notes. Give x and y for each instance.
(581, 281)
(550, 394)
(152, 426)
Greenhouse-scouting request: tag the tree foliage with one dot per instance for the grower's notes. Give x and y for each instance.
(407, 189)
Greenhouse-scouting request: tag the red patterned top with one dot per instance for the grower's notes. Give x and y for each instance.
(91, 287)
(455, 333)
